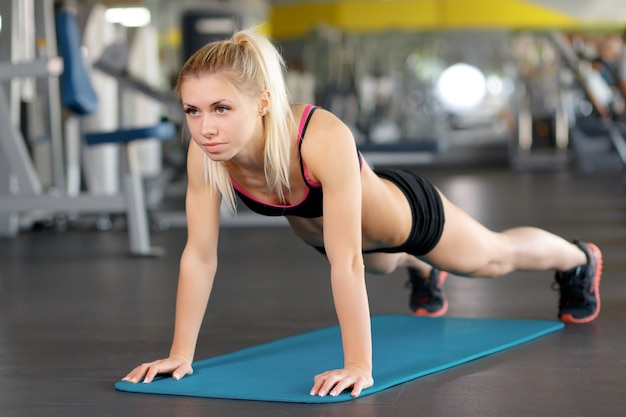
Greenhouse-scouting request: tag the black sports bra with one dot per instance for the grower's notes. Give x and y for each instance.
(311, 204)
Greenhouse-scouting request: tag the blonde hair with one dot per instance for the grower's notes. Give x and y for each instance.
(252, 64)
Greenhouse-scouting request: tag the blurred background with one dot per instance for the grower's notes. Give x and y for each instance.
(525, 85)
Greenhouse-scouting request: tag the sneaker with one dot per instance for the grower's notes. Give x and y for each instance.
(580, 287)
(427, 297)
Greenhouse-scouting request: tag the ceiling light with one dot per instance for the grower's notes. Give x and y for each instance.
(128, 16)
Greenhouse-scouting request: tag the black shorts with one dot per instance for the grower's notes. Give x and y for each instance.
(427, 209)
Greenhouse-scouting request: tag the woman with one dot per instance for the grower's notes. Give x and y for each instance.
(247, 140)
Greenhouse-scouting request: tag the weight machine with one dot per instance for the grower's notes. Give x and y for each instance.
(66, 80)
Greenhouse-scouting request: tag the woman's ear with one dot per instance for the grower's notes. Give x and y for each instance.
(266, 99)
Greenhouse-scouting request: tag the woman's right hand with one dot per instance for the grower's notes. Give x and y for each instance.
(177, 365)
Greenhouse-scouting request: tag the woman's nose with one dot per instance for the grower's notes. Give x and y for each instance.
(207, 128)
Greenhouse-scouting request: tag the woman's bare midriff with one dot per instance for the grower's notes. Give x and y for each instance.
(384, 210)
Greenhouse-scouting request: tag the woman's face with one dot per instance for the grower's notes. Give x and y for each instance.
(221, 120)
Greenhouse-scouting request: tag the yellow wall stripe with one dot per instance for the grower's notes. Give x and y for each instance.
(384, 15)
(297, 19)
(502, 13)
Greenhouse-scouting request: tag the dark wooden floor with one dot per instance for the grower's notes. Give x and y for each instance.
(76, 313)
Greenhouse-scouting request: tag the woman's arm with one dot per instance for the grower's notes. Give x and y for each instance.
(198, 264)
(332, 159)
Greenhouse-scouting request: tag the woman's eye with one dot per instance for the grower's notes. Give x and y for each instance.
(221, 110)
(191, 111)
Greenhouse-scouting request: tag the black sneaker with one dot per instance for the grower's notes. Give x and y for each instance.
(427, 297)
(580, 287)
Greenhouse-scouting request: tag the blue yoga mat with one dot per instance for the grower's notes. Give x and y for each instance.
(404, 348)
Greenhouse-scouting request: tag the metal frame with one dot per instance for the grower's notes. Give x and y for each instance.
(22, 193)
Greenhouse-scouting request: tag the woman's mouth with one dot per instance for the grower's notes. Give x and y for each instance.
(213, 147)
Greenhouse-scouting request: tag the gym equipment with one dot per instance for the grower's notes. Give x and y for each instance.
(404, 348)
(203, 25)
(26, 196)
(542, 139)
(598, 138)
(357, 80)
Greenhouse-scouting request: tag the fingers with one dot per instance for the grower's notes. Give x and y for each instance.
(148, 371)
(181, 371)
(138, 373)
(335, 382)
(154, 370)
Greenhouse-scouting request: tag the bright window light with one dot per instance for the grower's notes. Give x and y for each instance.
(461, 87)
(495, 86)
(128, 16)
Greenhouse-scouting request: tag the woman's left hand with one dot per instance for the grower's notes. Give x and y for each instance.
(335, 381)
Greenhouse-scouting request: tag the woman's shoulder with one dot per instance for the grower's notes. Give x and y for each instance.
(322, 117)
(324, 130)
(297, 109)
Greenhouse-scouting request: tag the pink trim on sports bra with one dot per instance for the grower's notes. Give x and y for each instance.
(244, 192)
(305, 171)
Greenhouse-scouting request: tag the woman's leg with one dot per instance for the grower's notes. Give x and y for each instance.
(426, 282)
(379, 263)
(468, 248)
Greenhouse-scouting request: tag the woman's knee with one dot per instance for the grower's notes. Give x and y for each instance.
(477, 260)
(381, 263)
